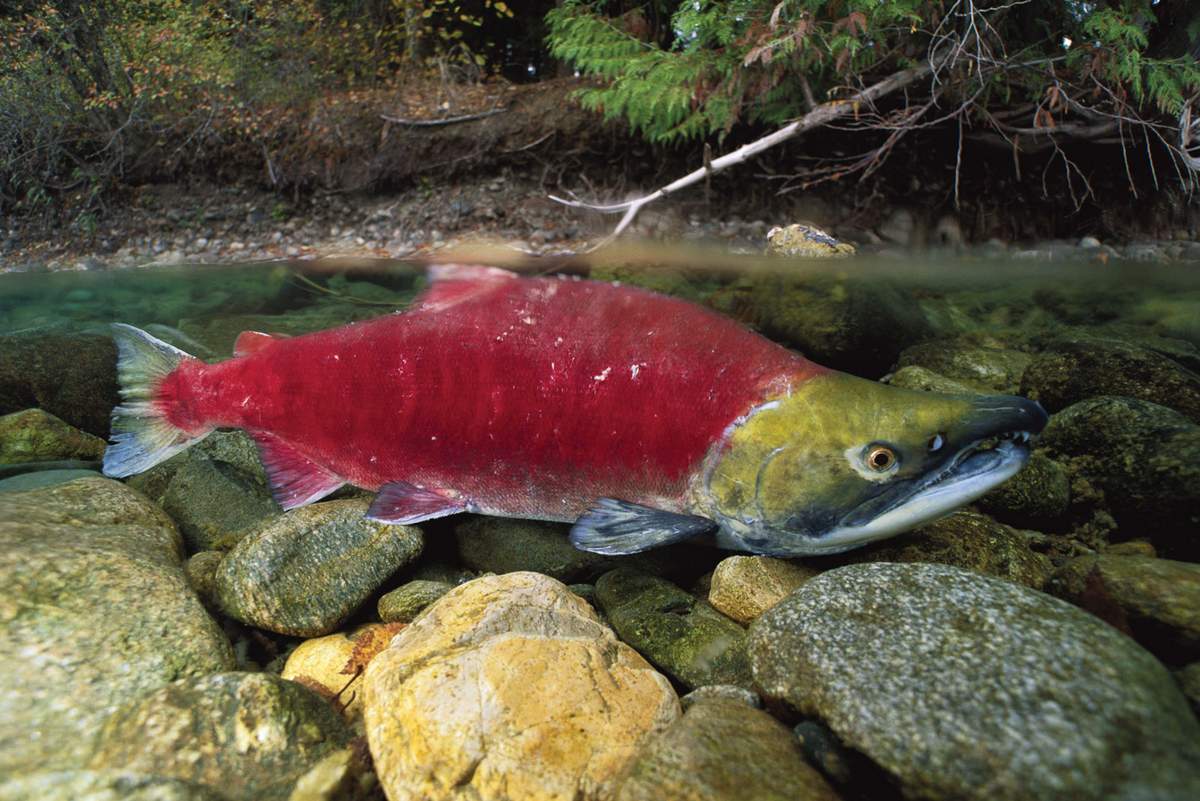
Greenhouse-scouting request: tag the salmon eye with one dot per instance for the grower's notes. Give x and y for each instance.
(936, 442)
(880, 458)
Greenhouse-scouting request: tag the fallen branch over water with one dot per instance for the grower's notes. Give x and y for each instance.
(443, 120)
(821, 115)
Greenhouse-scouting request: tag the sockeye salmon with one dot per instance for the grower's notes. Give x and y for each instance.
(642, 419)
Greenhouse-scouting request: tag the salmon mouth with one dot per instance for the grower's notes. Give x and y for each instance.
(973, 471)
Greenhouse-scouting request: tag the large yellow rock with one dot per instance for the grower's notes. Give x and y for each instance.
(509, 687)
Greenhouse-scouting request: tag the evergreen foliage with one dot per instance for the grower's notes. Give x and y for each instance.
(721, 62)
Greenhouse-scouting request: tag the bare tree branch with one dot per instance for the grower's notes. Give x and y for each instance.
(821, 115)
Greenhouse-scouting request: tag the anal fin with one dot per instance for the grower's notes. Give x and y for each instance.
(615, 528)
(401, 502)
(295, 479)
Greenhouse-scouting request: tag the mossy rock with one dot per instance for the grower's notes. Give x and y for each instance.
(71, 376)
(1072, 370)
(34, 435)
(1038, 497)
(215, 503)
(684, 637)
(403, 604)
(983, 369)
(102, 785)
(1144, 458)
(248, 736)
(965, 539)
(305, 571)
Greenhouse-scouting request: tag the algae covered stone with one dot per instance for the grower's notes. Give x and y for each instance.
(96, 611)
(248, 736)
(965, 539)
(1145, 458)
(1037, 497)
(102, 785)
(34, 435)
(724, 750)
(404, 603)
(499, 545)
(305, 571)
(1072, 370)
(1156, 601)
(982, 368)
(215, 504)
(683, 636)
(967, 687)
(743, 587)
(72, 376)
(510, 687)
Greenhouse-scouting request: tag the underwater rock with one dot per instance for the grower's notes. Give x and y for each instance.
(1156, 601)
(684, 637)
(40, 479)
(963, 686)
(503, 545)
(1072, 370)
(96, 612)
(71, 376)
(1188, 679)
(965, 539)
(305, 571)
(215, 504)
(1037, 497)
(1146, 460)
(404, 603)
(984, 369)
(849, 324)
(248, 736)
(743, 587)
(509, 687)
(332, 665)
(233, 448)
(34, 435)
(201, 571)
(102, 785)
(922, 380)
(726, 693)
(850, 772)
(340, 776)
(724, 750)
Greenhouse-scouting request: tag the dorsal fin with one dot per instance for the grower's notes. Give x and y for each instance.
(253, 341)
(295, 479)
(454, 283)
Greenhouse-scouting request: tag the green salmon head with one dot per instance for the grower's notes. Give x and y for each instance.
(840, 461)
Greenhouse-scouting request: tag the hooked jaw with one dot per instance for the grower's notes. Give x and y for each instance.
(997, 439)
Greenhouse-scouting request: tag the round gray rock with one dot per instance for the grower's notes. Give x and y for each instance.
(968, 687)
(304, 572)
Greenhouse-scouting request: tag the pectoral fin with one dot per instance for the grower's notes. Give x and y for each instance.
(615, 528)
(295, 479)
(401, 502)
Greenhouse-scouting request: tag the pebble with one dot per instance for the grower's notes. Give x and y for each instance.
(404, 603)
(967, 687)
(201, 571)
(728, 693)
(305, 571)
(509, 687)
(332, 665)
(1156, 601)
(246, 736)
(96, 612)
(722, 749)
(684, 637)
(743, 587)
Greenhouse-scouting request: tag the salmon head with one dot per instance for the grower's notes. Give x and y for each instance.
(841, 461)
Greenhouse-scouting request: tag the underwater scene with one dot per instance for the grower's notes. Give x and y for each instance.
(649, 522)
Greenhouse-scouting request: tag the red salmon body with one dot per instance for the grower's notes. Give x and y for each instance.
(527, 397)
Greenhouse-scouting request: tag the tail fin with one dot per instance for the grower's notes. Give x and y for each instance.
(141, 435)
